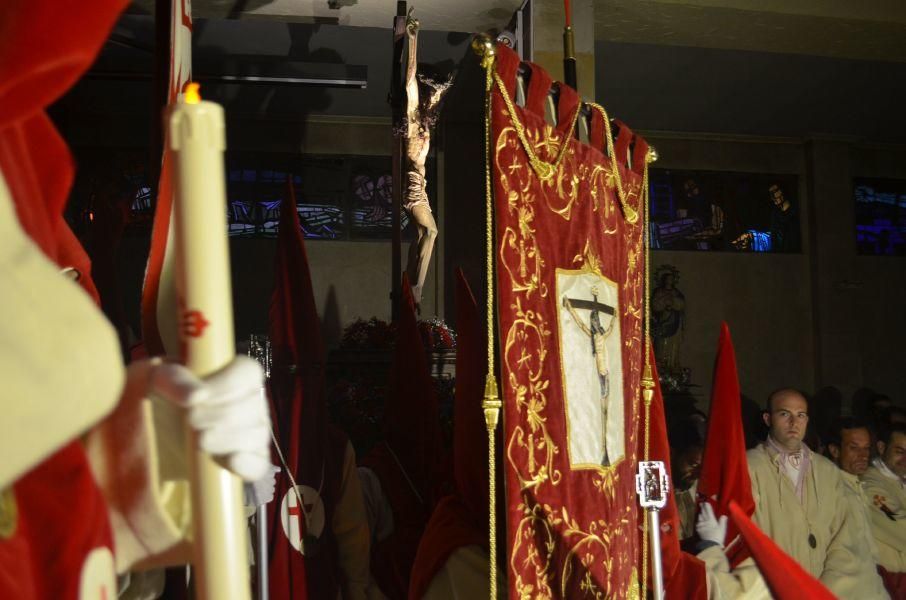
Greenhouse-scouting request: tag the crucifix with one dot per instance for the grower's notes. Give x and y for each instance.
(598, 335)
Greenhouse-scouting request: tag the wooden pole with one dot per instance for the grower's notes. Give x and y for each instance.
(160, 84)
(570, 77)
(397, 102)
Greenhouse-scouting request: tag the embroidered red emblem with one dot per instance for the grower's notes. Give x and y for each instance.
(193, 323)
(880, 502)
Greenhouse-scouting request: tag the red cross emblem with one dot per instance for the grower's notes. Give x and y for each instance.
(302, 522)
(193, 323)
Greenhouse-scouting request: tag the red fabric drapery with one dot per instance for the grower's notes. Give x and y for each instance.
(44, 49)
(314, 451)
(684, 574)
(725, 471)
(571, 522)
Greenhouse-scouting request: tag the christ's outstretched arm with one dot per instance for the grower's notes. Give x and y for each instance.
(575, 316)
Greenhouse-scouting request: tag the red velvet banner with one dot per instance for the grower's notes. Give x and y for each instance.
(570, 268)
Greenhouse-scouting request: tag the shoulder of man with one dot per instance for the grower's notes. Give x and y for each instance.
(823, 466)
(851, 483)
(759, 457)
(881, 492)
(874, 477)
(875, 481)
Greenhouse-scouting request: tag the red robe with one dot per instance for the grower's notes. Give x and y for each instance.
(725, 471)
(314, 450)
(408, 462)
(62, 535)
(461, 519)
(684, 574)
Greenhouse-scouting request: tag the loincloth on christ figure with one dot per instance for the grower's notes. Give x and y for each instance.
(416, 191)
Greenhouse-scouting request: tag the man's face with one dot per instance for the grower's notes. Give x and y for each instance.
(788, 420)
(776, 195)
(687, 467)
(894, 454)
(691, 189)
(855, 447)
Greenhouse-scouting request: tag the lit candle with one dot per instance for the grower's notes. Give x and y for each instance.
(196, 135)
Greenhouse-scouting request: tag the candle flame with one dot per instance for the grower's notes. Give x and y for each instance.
(192, 95)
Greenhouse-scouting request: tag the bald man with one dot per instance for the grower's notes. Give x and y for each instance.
(800, 500)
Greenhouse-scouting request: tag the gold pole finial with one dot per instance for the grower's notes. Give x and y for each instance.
(483, 45)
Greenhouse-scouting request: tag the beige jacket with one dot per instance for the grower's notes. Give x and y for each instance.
(64, 378)
(885, 499)
(350, 528)
(869, 582)
(685, 509)
(742, 583)
(465, 576)
(821, 518)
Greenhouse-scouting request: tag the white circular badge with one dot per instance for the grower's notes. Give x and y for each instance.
(98, 578)
(303, 525)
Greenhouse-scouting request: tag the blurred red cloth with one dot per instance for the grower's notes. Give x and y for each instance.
(314, 450)
(725, 472)
(684, 574)
(45, 47)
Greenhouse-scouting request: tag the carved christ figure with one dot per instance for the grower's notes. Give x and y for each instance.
(598, 334)
(423, 96)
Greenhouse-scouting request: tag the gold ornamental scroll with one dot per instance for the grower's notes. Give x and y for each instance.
(205, 312)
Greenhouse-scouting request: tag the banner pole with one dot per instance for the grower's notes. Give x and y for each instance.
(570, 76)
(657, 575)
(483, 46)
(262, 559)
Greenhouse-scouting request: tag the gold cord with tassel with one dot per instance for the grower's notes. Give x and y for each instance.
(483, 46)
(647, 372)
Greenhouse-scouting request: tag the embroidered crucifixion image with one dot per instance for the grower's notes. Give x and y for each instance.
(591, 355)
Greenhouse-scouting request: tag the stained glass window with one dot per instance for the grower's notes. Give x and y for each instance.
(338, 197)
(737, 212)
(880, 216)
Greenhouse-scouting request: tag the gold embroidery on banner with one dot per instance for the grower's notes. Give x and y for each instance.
(598, 534)
(600, 180)
(529, 390)
(544, 170)
(624, 196)
(539, 560)
(545, 534)
(9, 513)
(633, 592)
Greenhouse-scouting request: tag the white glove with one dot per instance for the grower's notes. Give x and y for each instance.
(262, 491)
(227, 409)
(708, 527)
